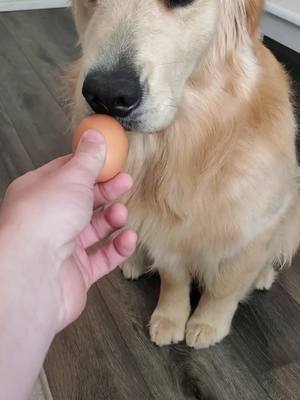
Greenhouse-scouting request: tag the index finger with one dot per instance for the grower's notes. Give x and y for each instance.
(111, 190)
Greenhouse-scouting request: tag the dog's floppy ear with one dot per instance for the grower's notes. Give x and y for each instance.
(254, 10)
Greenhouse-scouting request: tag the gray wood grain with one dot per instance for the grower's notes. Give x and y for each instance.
(48, 54)
(184, 373)
(14, 160)
(39, 121)
(131, 312)
(173, 372)
(98, 362)
(290, 280)
(283, 383)
(266, 330)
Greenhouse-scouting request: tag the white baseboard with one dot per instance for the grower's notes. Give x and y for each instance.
(282, 31)
(10, 5)
(281, 22)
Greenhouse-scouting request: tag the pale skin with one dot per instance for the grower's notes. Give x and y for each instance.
(48, 221)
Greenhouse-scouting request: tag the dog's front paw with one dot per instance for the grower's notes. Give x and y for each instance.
(266, 279)
(202, 335)
(132, 271)
(165, 330)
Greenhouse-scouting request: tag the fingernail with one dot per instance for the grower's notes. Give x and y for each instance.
(94, 136)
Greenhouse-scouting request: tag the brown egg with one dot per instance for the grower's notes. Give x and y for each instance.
(116, 141)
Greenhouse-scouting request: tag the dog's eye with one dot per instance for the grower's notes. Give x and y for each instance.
(178, 3)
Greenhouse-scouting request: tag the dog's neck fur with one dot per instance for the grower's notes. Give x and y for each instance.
(226, 79)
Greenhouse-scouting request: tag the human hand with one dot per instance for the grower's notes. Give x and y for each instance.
(51, 215)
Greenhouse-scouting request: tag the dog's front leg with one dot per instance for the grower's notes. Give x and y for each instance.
(169, 319)
(135, 266)
(235, 278)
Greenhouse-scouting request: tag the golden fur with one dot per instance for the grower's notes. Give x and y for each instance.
(216, 194)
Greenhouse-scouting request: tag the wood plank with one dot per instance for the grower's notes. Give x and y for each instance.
(38, 120)
(290, 279)
(14, 160)
(53, 30)
(131, 304)
(13, 153)
(283, 383)
(90, 359)
(173, 372)
(179, 371)
(46, 44)
(220, 373)
(266, 331)
(4, 179)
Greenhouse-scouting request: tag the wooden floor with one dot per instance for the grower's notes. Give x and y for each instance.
(107, 355)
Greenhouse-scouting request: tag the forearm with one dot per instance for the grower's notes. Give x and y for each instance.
(23, 347)
(25, 335)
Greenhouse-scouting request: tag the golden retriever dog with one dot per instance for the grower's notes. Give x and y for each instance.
(212, 149)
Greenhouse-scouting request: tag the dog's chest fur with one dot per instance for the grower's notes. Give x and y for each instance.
(185, 213)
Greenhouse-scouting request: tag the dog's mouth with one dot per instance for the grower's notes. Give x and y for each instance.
(129, 124)
(140, 120)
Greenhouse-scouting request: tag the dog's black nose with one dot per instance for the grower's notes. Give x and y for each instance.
(116, 93)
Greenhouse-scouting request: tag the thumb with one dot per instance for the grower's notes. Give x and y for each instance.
(90, 155)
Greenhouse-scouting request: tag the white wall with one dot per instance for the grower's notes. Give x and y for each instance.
(11, 5)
